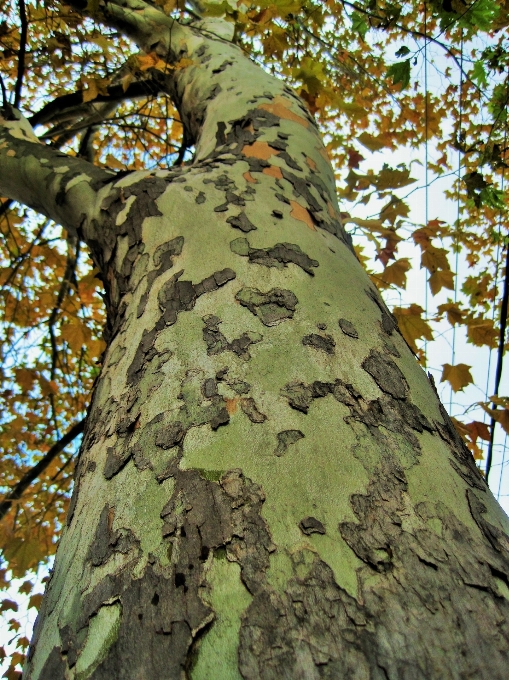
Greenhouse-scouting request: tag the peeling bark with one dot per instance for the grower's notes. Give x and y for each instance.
(268, 486)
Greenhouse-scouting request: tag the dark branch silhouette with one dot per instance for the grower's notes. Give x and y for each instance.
(39, 468)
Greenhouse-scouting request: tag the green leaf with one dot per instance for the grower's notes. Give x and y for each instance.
(359, 24)
(400, 73)
(478, 74)
(481, 14)
(403, 50)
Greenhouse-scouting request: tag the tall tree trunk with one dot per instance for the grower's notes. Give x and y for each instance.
(268, 486)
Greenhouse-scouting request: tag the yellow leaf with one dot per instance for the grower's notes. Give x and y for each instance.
(395, 273)
(391, 178)
(76, 335)
(481, 332)
(454, 313)
(372, 143)
(411, 324)
(91, 92)
(441, 279)
(434, 258)
(394, 209)
(113, 163)
(457, 376)
(25, 377)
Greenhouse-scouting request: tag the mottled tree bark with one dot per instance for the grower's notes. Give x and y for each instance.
(268, 486)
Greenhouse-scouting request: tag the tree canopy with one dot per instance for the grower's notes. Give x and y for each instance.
(379, 77)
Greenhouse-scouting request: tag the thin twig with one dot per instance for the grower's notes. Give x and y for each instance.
(500, 359)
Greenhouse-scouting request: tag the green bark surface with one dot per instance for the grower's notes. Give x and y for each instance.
(268, 486)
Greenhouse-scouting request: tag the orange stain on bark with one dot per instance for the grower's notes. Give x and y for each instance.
(249, 177)
(311, 163)
(302, 214)
(273, 171)
(231, 405)
(281, 107)
(259, 150)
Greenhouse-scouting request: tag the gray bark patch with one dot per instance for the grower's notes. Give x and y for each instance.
(348, 328)
(396, 415)
(386, 374)
(271, 308)
(424, 580)
(311, 525)
(285, 439)
(217, 343)
(324, 343)
(278, 256)
(106, 541)
(248, 406)
(241, 222)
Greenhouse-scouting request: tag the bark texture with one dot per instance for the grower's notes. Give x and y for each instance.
(268, 486)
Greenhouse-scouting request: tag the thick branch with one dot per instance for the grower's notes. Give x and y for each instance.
(38, 469)
(59, 186)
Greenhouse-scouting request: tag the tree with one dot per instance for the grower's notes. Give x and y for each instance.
(268, 485)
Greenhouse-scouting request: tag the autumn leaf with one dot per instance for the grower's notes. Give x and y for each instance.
(457, 376)
(395, 273)
(481, 332)
(441, 279)
(372, 143)
(393, 209)
(411, 324)
(7, 605)
(390, 178)
(453, 311)
(434, 258)
(76, 334)
(35, 601)
(354, 158)
(500, 415)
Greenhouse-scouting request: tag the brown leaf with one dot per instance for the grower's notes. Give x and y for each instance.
(354, 158)
(457, 376)
(441, 279)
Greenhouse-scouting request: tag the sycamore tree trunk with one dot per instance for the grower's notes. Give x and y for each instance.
(268, 486)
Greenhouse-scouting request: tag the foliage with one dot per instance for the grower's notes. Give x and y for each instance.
(361, 67)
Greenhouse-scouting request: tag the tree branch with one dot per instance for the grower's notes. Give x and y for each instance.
(22, 51)
(500, 359)
(62, 187)
(39, 468)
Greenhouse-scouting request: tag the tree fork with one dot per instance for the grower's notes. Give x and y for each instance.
(268, 486)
